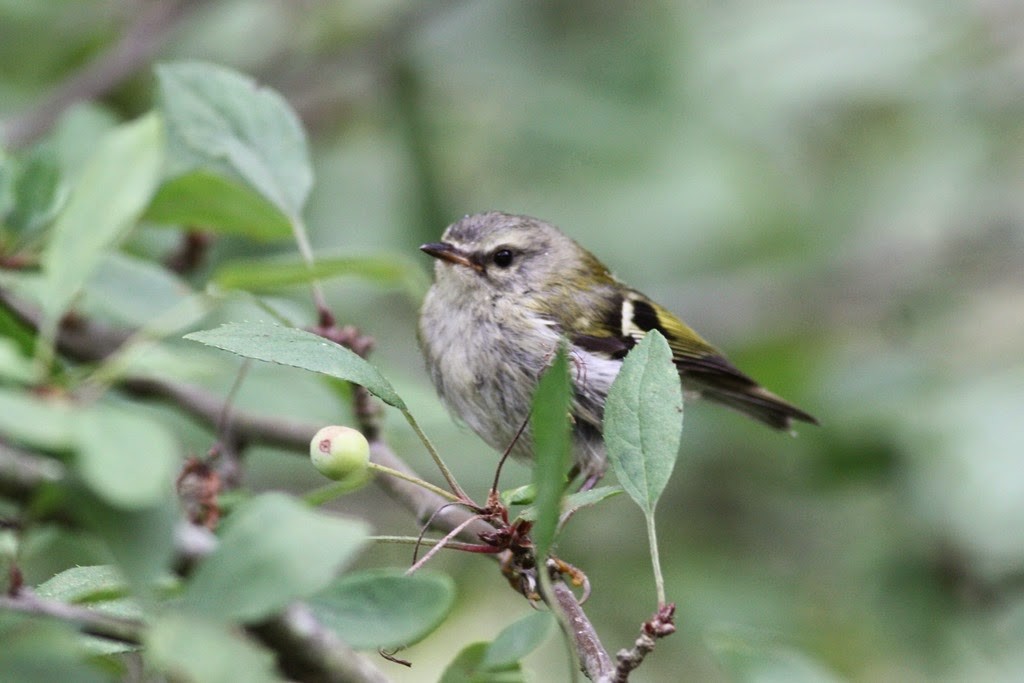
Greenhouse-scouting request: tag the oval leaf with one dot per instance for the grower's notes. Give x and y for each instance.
(37, 649)
(273, 550)
(84, 584)
(299, 349)
(39, 422)
(217, 203)
(37, 192)
(518, 640)
(190, 649)
(575, 502)
(104, 204)
(384, 608)
(141, 541)
(127, 460)
(221, 120)
(643, 420)
(466, 668)
(272, 274)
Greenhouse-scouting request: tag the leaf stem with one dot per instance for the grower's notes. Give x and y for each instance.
(306, 251)
(329, 492)
(416, 480)
(652, 540)
(460, 494)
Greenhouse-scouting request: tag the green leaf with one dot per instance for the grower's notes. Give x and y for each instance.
(384, 608)
(84, 584)
(12, 328)
(298, 349)
(220, 204)
(521, 495)
(42, 650)
(36, 192)
(142, 294)
(273, 550)
(128, 460)
(549, 422)
(37, 422)
(104, 204)
(141, 541)
(262, 275)
(517, 640)
(14, 366)
(221, 120)
(192, 649)
(750, 658)
(76, 133)
(466, 668)
(577, 501)
(643, 420)
(100, 587)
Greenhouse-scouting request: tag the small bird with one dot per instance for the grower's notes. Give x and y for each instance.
(507, 289)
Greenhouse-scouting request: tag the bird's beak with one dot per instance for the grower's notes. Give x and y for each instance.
(450, 253)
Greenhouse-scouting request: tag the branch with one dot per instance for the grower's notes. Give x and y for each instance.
(131, 53)
(22, 473)
(594, 659)
(90, 621)
(309, 651)
(661, 624)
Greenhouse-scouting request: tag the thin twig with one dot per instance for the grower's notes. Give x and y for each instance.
(309, 651)
(660, 625)
(90, 621)
(438, 546)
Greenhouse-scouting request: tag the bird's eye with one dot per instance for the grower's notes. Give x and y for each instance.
(502, 258)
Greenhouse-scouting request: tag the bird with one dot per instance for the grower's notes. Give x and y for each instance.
(507, 290)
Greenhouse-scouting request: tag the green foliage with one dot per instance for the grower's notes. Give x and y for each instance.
(273, 550)
(35, 193)
(84, 584)
(517, 640)
(643, 423)
(101, 588)
(549, 423)
(643, 419)
(222, 121)
(499, 660)
(195, 649)
(570, 504)
(125, 459)
(268, 275)
(384, 608)
(102, 208)
(217, 203)
(37, 422)
(830, 192)
(299, 349)
(35, 650)
(140, 541)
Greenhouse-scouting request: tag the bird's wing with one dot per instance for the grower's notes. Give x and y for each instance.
(701, 366)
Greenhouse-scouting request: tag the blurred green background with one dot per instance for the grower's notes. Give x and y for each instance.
(830, 191)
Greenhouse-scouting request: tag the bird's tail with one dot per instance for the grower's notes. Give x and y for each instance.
(758, 403)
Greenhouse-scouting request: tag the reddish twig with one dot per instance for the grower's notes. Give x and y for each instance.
(659, 626)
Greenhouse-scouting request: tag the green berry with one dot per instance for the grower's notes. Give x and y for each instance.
(340, 453)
